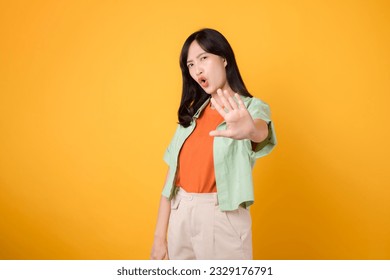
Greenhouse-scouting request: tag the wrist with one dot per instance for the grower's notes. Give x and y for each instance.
(160, 237)
(259, 131)
(254, 134)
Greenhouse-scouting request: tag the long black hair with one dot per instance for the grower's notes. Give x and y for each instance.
(193, 96)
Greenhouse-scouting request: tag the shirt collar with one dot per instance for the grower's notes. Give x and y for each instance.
(201, 108)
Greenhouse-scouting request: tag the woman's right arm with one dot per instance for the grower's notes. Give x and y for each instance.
(160, 246)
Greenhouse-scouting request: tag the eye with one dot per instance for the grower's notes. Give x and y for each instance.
(203, 57)
(189, 65)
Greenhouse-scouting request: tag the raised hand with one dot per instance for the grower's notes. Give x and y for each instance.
(239, 122)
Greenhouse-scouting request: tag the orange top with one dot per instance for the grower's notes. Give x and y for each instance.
(196, 163)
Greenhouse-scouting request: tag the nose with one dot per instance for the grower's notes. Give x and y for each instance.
(198, 70)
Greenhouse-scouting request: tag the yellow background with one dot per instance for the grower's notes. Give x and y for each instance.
(89, 94)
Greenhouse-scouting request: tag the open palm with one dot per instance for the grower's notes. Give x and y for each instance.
(239, 123)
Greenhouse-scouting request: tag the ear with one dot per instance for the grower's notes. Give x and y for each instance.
(224, 62)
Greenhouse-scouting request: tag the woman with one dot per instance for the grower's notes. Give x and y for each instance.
(222, 131)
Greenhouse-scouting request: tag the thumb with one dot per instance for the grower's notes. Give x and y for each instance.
(219, 133)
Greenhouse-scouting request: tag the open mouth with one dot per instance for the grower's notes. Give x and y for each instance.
(203, 82)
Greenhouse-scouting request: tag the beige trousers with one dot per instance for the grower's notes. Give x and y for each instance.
(199, 230)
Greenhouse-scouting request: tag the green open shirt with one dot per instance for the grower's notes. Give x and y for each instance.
(233, 159)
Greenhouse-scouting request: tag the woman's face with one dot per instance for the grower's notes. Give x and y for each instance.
(207, 69)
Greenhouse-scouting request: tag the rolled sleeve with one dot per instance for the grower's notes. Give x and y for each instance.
(260, 110)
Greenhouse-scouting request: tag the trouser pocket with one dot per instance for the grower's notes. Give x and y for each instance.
(240, 222)
(175, 202)
(233, 233)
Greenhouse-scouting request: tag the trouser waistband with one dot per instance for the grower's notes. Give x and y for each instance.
(197, 197)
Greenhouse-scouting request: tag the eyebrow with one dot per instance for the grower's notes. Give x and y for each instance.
(197, 56)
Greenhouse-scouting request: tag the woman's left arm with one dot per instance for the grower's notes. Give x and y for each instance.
(239, 122)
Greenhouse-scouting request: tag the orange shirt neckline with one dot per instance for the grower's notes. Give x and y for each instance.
(196, 172)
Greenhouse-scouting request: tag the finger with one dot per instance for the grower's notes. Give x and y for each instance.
(224, 100)
(241, 104)
(220, 133)
(218, 107)
(218, 100)
(233, 103)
